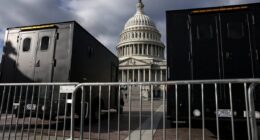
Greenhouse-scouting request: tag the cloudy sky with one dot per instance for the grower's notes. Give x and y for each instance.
(102, 18)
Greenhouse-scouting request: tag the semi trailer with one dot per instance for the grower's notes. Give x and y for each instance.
(212, 43)
(56, 52)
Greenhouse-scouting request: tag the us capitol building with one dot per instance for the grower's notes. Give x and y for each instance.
(141, 52)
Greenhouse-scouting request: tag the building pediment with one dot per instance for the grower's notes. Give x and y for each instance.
(133, 62)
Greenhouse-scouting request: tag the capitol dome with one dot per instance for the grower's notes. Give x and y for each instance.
(140, 37)
(141, 53)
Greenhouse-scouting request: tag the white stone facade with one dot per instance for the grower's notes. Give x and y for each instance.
(141, 52)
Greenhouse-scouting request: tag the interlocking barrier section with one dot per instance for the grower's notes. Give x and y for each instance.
(35, 111)
(206, 109)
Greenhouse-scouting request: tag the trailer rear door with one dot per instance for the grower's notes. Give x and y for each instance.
(205, 52)
(26, 56)
(36, 56)
(45, 56)
(205, 47)
(236, 45)
(237, 58)
(256, 42)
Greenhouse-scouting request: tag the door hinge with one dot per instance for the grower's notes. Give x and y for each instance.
(18, 38)
(188, 25)
(253, 19)
(57, 35)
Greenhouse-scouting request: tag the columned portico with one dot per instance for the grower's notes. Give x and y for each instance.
(140, 75)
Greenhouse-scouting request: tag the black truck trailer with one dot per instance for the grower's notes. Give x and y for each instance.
(58, 52)
(212, 43)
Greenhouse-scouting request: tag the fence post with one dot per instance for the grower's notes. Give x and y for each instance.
(252, 111)
(72, 113)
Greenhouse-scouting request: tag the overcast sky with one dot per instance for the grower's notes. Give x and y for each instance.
(104, 19)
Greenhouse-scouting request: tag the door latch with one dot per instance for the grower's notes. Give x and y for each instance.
(228, 55)
(37, 64)
(54, 62)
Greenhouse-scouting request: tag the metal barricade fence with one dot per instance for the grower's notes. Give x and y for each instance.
(35, 111)
(211, 109)
(206, 109)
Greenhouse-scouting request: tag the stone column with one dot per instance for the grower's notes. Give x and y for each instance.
(159, 51)
(126, 51)
(165, 74)
(133, 75)
(142, 49)
(138, 49)
(134, 50)
(150, 76)
(123, 53)
(144, 75)
(122, 75)
(161, 75)
(129, 50)
(147, 49)
(152, 50)
(156, 52)
(155, 75)
(139, 75)
(127, 76)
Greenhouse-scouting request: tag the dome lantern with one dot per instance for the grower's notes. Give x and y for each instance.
(139, 7)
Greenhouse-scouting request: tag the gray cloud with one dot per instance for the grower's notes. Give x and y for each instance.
(104, 19)
(26, 12)
(1, 43)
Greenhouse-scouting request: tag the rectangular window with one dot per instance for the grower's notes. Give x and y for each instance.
(26, 44)
(45, 43)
